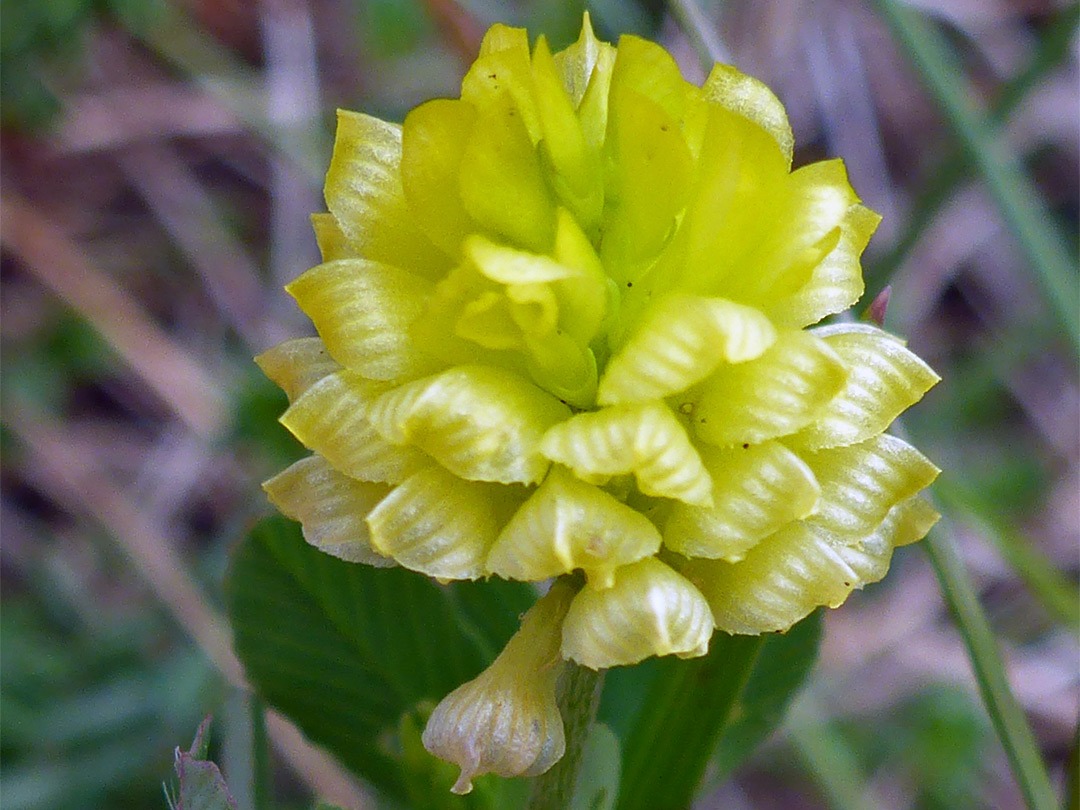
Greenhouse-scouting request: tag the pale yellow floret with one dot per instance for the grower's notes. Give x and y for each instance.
(680, 341)
(364, 311)
(649, 610)
(568, 524)
(646, 440)
(364, 194)
(329, 419)
(757, 490)
(438, 524)
(800, 568)
(506, 721)
(860, 483)
(330, 507)
(481, 423)
(775, 395)
(296, 365)
(884, 380)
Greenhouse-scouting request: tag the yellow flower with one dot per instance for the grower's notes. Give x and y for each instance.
(564, 325)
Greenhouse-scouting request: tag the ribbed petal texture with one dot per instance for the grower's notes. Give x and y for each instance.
(563, 333)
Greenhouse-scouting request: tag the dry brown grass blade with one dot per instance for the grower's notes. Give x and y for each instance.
(47, 252)
(187, 212)
(77, 482)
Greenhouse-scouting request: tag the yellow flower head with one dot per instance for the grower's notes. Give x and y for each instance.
(563, 325)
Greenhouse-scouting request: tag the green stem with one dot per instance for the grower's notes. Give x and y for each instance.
(1004, 710)
(826, 754)
(260, 756)
(579, 696)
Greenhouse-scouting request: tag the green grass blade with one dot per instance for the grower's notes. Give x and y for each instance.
(1005, 713)
(1022, 208)
(955, 167)
(1041, 577)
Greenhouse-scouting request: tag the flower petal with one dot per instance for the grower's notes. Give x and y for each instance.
(577, 62)
(836, 283)
(756, 491)
(502, 183)
(775, 395)
(332, 242)
(296, 365)
(801, 567)
(482, 423)
(650, 610)
(679, 342)
(804, 227)
(363, 192)
(506, 720)
(646, 440)
(885, 380)
(575, 172)
(363, 311)
(435, 523)
(330, 507)
(750, 98)
(329, 419)
(433, 141)
(861, 482)
(568, 524)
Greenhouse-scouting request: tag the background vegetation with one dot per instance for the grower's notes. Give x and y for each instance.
(160, 160)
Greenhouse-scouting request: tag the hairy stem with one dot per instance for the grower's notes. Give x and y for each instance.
(579, 695)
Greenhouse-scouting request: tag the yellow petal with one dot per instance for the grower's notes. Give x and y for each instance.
(507, 265)
(435, 523)
(740, 174)
(884, 380)
(860, 483)
(836, 283)
(583, 296)
(330, 507)
(592, 110)
(577, 62)
(296, 365)
(504, 68)
(649, 173)
(482, 423)
(502, 183)
(756, 491)
(800, 568)
(775, 395)
(363, 311)
(433, 141)
(364, 193)
(646, 440)
(804, 227)
(331, 240)
(329, 419)
(679, 342)
(650, 610)
(568, 524)
(907, 522)
(750, 98)
(645, 68)
(506, 720)
(574, 167)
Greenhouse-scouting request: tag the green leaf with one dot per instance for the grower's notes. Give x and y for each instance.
(732, 698)
(781, 667)
(345, 650)
(202, 787)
